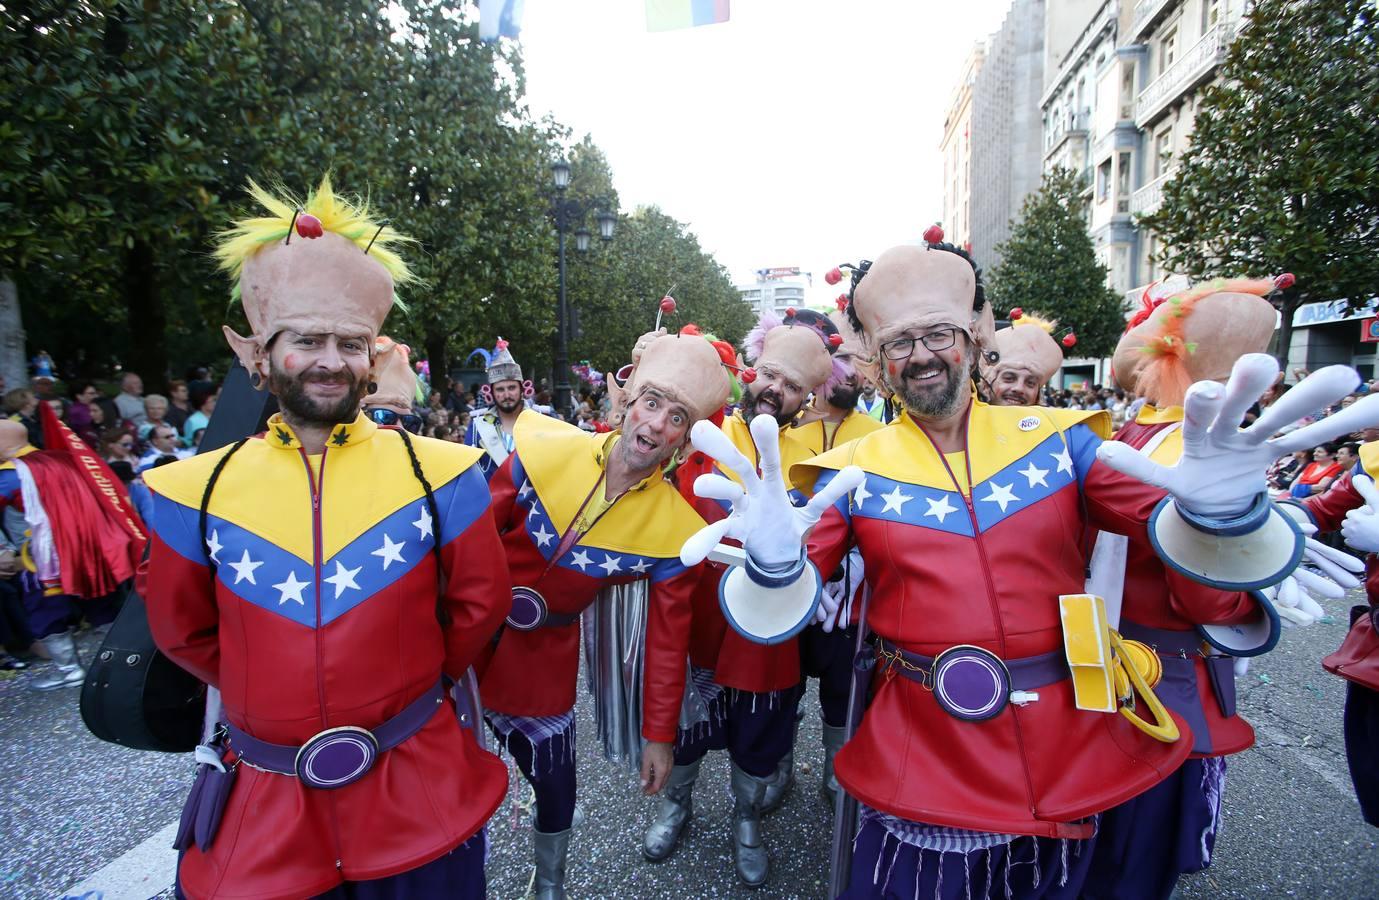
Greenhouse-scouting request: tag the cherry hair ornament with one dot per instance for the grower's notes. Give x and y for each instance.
(790, 312)
(933, 235)
(308, 226)
(667, 304)
(1285, 281)
(841, 302)
(749, 375)
(835, 340)
(1069, 340)
(834, 275)
(1016, 313)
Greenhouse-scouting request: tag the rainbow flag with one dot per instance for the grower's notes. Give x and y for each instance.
(669, 15)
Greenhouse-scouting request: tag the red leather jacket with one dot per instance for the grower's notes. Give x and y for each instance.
(321, 612)
(537, 492)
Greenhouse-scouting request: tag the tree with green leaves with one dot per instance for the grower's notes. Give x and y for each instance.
(1049, 266)
(1282, 174)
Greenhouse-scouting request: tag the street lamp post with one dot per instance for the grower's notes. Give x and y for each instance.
(568, 212)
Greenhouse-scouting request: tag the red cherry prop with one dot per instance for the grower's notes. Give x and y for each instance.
(841, 302)
(308, 226)
(933, 235)
(834, 275)
(1069, 340)
(1285, 281)
(835, 340)
(667, 304)
(749, 375)
(790, 312)
(1016, 313)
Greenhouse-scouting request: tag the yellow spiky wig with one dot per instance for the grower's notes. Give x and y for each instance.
(1049, 325)
(1165, 375)
(349, 218)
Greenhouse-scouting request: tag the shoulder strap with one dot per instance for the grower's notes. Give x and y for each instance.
(442, 614)
(206, 497)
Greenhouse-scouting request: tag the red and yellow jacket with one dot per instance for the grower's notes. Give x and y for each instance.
(985, 565)
(321, 611)
(537, 493)
(1160, 597)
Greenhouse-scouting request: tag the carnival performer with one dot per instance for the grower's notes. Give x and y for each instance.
(579, 512)
(327, 576)
(493, 430)
(754, 688)
(1352, 505)
(1145, 844)
(82, 537)
(1029, 357)
(978, 773)
(399, 389)
(826, 648)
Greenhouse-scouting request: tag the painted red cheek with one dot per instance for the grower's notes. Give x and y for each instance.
(892, 368)
(290, 362)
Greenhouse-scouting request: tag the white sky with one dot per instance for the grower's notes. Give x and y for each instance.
(800, 133)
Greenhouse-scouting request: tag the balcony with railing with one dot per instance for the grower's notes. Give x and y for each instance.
(1145, 14)
(1189, 70)
(1066, 128)
(1148, 198)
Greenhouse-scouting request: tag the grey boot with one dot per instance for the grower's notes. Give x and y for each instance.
(551, 850)
(677, 805)
(749, 849)
(784, 781)
(833, 742)
(67, 671)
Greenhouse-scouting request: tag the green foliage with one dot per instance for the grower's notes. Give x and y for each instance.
(1283, 170)
(1048, 266)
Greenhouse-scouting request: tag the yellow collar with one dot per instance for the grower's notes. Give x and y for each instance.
(1149, 415)
(279, 434)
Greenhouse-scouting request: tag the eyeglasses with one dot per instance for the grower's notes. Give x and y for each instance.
(387, 417)
(934, 341)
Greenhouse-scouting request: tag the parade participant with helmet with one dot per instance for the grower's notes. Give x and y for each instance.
(579, 512)
(978, 772)
(1029, 357)
(492, 430)
(328, 577)
(1197, 630)
(753, 688)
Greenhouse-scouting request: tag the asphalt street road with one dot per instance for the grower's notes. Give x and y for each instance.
(73, 806)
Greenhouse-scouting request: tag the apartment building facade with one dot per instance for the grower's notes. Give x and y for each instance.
(956, 150)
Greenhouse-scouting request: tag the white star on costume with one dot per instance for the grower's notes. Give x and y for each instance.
(861, 495)
(895, 500)
(526, 489)
(343, 579)
(610, 564)
(390, 552)
(640, 566)
(1065, 462)
(543, 537)
(291, 589)
(244, 569)
(423, 523)
(214, 545)
(1001, 494)
(939, 508)
(581, 559)
(1035, 474)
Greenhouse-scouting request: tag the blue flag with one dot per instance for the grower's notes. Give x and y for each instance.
(500, 18)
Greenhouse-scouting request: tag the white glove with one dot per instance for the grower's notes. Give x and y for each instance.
(1222, 467)
(1361, 526)
(1294, 599)
(771, 529)
(836, 593)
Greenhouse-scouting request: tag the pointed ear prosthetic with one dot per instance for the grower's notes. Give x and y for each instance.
(251, 354)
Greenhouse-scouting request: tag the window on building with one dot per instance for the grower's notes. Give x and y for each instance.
(1103, 181)
(1211, 14)
(1123, 173)
(1151, 247)
(1168, 49)
(1127, 91)
(1163, 151)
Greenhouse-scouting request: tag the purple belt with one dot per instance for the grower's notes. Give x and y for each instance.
(1162, 640)
(972, 683)
(337, 756)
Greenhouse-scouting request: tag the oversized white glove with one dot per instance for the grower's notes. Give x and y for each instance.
(1222, 467)
(1324, 572)
(771, 529)
(1361, 526)
(836, 593)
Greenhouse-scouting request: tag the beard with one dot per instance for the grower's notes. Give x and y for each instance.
(845, 395)
(507, 406)
(768, 402)
(303, 408)
(939, 397)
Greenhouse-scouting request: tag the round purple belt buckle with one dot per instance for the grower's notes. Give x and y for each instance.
(971, 683)
(337, 757)
(528, 610)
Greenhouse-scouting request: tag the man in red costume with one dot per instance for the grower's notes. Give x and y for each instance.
(579, 512)
(329, 577)
(751, 689)
(978, 773)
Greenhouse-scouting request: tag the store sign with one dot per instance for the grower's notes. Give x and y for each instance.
(1369, 331)
(779, 272)
(1332, 311)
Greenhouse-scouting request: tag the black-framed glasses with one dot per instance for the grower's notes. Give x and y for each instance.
(934, 341)
(385, 417)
